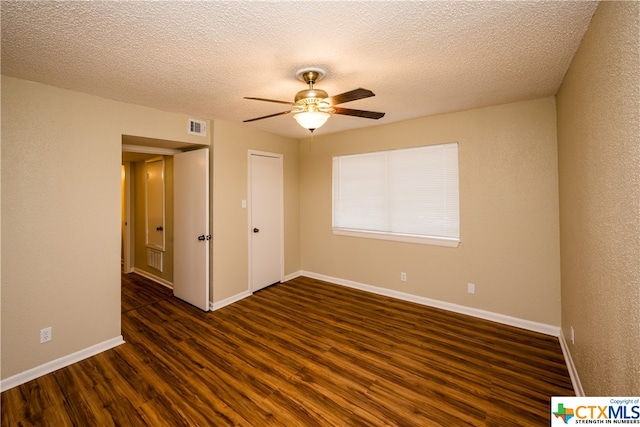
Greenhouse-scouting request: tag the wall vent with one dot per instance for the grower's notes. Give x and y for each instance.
(197, 127)
(154, 259)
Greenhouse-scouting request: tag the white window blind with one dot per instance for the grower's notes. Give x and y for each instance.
(409, 194)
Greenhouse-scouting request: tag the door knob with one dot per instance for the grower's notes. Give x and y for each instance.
(256, 230)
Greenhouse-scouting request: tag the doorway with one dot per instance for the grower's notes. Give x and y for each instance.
(266, 219)
(136, 248)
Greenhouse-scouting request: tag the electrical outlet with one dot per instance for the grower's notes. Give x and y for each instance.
(403, 276)
(45, 335)
(471, 288)
(573, 336)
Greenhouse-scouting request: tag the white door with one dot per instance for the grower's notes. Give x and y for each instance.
(266, 220)
(191, 237)
(126, 218)
(154, 212)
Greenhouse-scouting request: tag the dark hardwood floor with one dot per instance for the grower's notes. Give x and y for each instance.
(300, 353)
(138, 291)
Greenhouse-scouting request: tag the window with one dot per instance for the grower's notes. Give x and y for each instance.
(407, 195)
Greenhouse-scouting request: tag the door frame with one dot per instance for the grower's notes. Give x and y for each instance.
(249, 213)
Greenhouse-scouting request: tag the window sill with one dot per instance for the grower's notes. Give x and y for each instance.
(407, 238)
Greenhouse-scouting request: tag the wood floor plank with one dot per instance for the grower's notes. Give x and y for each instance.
(138, 291)
(301, 353)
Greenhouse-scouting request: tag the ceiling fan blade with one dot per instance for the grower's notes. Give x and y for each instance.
(352, 95)
(269, 100)
(266, 117)
(359, 113)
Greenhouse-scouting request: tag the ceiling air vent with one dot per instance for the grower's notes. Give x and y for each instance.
(197, 127)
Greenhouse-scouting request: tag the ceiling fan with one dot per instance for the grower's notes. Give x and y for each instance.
(312, 107)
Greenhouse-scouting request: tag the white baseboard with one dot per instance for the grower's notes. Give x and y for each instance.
(217, 305)
(237, 297)
(482, 314)
(156, 279)
(292, 276)
(54, 365)
(573, 372)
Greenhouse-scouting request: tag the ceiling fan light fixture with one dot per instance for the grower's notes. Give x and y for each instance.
(311, 120)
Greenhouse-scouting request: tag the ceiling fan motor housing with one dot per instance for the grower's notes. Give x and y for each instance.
(309, 96)
(313, 100)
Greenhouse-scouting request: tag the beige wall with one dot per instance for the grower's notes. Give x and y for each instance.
(508, 213)
(599, 163)
(230, 221)
(138, 170)
(61, 156)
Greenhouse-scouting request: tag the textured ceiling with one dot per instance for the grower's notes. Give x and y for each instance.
(202, 58)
